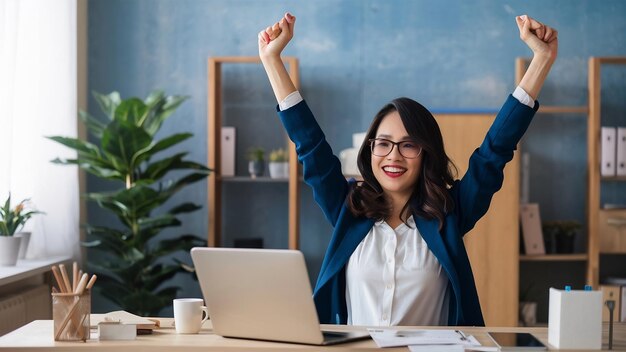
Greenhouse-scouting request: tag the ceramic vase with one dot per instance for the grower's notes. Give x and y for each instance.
(279, 169)
(9, 250)
(256, 168)
(24, 244)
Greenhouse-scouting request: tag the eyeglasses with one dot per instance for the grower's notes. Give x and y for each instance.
(383, 147)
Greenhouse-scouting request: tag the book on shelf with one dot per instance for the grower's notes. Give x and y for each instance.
(620, 162)
(531, 229)
(608, 146)
(622, 306)
(227, 156)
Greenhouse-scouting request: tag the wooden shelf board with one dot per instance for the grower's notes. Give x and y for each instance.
(263, 179)
(612, 60)
(582, 110)
(554, 258)
(613, 178)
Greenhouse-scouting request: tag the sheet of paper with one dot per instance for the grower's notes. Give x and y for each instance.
(452, 348)
(394, 338)
(436, 348)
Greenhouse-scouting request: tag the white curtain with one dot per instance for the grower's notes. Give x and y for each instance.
(38, 98)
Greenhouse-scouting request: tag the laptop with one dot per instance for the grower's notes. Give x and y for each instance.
(262, 294)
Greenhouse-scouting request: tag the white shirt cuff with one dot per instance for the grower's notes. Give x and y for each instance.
(523, 97)
(290, 100)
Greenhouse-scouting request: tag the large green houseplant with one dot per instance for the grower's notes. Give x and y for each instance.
(134, 266)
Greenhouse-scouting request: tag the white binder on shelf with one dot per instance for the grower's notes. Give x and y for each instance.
(622, 314)
(608, 146)
(227, 164)
(531, 229)
(620, 162)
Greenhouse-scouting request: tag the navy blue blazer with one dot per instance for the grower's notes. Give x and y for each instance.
(472, 195)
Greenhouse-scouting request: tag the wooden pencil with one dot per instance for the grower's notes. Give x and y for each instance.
(74, 276)
(59, 279)
(66, 278)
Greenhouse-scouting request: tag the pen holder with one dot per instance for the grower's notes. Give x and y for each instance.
(70, 312)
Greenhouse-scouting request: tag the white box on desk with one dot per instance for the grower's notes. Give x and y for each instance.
(116, 331)
(575, 319)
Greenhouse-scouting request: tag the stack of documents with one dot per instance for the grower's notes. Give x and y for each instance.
(427, 340)
(121, 325)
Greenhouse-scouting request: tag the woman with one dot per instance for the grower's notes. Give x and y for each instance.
(396, 256)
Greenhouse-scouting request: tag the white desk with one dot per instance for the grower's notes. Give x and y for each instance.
(37, 336)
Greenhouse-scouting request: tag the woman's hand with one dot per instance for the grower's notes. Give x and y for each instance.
(544, 43)
(541, 39)
(274, 39)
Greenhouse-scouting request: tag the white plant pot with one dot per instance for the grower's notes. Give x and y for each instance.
(9, 249)
(279, 169)
(24, 244)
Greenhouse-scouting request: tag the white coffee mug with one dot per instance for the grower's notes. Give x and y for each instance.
(189, 314)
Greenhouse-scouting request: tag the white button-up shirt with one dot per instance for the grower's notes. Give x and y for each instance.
(392, 278)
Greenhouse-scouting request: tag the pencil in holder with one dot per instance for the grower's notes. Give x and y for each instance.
(70, 312)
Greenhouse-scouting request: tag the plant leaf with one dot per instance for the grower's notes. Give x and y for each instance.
(77, 144)
(158, 169)
(185, 208)
(94, 126)
(158, 274)
(154, 97)
(131, 111)
(108, 103)
(122, 140)
(180, 243)
(161, 112)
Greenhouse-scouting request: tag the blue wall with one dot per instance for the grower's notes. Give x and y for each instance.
(354, 56)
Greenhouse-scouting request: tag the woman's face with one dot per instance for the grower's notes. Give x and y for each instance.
(396, 173)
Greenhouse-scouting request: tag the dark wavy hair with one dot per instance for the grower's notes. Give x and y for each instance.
(430, 198)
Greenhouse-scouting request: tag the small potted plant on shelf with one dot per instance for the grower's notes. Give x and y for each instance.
(13, 243)
(560, 235)
(279, 165)
(256, 162)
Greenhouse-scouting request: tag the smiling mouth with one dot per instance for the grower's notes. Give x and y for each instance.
(393, 171)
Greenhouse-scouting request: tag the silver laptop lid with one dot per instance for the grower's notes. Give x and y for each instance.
(258, 293)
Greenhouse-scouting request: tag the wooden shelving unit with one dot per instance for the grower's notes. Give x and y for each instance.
(215, 180)
(521, 64)
(594, 213)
